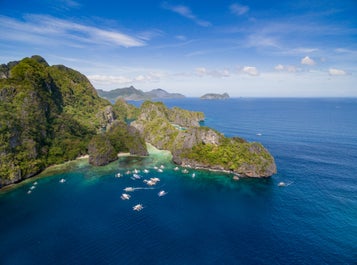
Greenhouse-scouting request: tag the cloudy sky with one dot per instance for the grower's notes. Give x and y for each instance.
(253, 48)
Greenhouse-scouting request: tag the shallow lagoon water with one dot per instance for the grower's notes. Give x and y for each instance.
(208, 219)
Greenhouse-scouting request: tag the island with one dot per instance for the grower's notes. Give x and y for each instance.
(212, 96)
(52, 114)
(131, 93)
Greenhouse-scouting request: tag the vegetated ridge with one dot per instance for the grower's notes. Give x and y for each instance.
(131, 93)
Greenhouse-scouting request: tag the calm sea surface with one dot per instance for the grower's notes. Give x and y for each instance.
(208, 218)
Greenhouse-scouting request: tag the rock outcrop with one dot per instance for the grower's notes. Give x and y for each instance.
(192, 145)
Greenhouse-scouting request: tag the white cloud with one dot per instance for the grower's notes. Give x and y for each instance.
(238, 9)
(303, 50)
(109, 79)
(336, 72)
(187, 13)
(62, 31)
(261, 40)
(307, 61)
(279, 67)
(181, 37)
(250, 70)
(202, 71)
(286, 68)
(70, 3)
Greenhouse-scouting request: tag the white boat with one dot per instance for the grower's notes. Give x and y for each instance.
(185, 171)
(162, 167)
(35, 183)
(193, 175)
(29, 191)
(125, 196)
(162, 193)
(281, 184)
(160, 170)
(155, 167)
(259, 134)
(138, 207)
(146, 171)
(235, 178)
(151, 181)
(128, 189)
(136, 171)
(155, 179)
(136, 176)
(62, 181)
(32, 187)
(118, 175)
(176, 168)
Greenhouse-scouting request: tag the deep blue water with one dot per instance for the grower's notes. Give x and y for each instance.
(209, 219)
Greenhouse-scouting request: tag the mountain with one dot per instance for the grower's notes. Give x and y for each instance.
(212, 96)
(131, 93)
(162, 94)
(51, 114)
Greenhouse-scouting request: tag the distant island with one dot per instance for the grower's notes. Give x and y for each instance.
(131, 93)
(52, 114)
(211, 96)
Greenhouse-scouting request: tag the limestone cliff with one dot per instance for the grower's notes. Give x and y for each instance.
(178, 131)
(49, 115)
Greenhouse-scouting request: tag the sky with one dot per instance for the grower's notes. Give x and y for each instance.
(253, 48)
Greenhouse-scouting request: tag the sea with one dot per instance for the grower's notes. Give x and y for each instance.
(75, 213)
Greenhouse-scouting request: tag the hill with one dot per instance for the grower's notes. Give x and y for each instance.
(51, 114)
(212, 96)
(131, 93)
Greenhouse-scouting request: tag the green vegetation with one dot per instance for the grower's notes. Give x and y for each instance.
(51, 114)
(48, 115)
(124, 111)
(200, 146)
(232, 154)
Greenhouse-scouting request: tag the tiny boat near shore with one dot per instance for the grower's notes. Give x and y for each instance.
(281, 184)
(128, 189)
(62, 181)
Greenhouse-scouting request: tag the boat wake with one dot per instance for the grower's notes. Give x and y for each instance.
(130, 189)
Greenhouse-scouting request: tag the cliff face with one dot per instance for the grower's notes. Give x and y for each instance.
(48, 115)
(178, 131)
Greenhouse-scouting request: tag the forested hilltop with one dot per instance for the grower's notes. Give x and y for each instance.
(52, 114)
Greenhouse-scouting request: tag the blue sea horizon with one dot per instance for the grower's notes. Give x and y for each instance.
(206, 218)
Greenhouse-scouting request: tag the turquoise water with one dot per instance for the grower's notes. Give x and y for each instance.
(209, 218)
